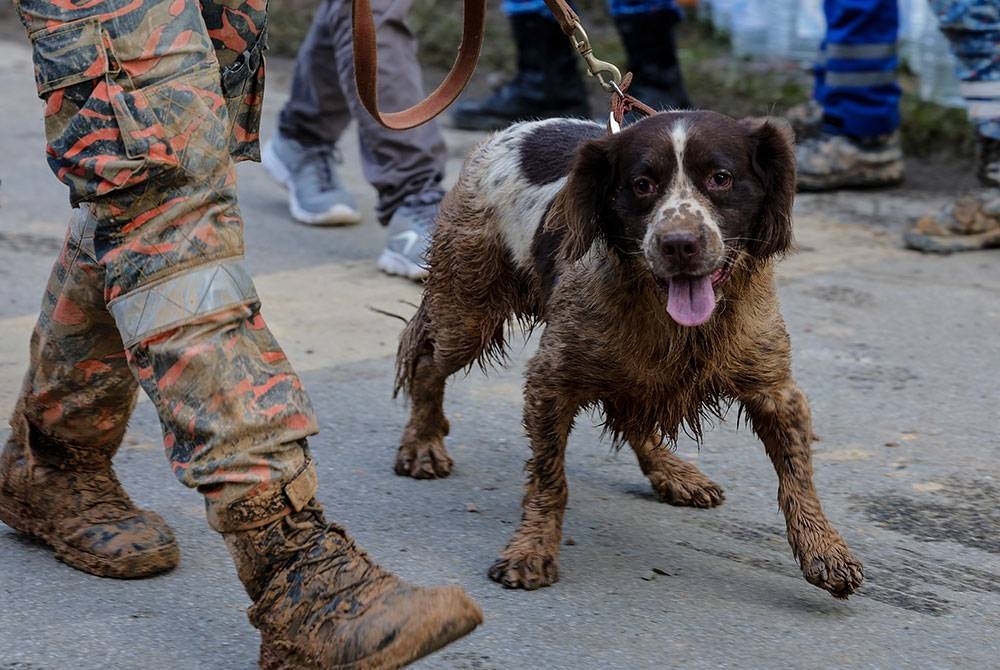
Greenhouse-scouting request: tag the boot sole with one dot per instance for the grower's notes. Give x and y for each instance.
(946, 244)
(393, 263)
(138, 566)
(807, 184)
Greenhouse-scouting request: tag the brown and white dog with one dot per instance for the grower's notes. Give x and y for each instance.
(648, 257)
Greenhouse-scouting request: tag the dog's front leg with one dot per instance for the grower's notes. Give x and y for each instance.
(531, 558)
(780, 417)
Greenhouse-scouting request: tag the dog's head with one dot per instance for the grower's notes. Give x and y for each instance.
(687, 192)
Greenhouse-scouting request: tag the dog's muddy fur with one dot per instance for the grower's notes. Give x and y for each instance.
(594, 235)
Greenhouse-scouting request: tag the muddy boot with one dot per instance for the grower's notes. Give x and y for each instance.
(969, 223)
(806, 119)
(652, 58)
(972, 221)
(69, 498)
(548, 83)
(320, 602)
(828, 162)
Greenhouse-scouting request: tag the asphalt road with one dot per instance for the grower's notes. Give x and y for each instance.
(899, 353)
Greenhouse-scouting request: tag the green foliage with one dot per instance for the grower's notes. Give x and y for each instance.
(287, 24)
(928, 129)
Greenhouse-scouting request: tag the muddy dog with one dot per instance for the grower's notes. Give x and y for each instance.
(648, 256)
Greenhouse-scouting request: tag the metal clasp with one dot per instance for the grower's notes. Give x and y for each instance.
(606, 73)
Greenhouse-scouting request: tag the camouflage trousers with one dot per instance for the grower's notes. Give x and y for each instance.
(149, 290)
(973, 30)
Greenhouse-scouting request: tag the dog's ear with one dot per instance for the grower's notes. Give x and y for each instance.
(772, 155)
(575, 215)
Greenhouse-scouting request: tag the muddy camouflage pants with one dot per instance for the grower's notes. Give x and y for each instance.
(150, 289)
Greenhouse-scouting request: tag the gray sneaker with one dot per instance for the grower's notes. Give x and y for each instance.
(315, 195)
(410, 230)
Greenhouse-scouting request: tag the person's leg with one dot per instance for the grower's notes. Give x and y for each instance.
(405, 167)
(397, 163)
(973, 31)
(316, 111)
(856, 87)
(647, 31)
(301, 154)
(56, 479)
(547, 83)
(972, 221)
(140, 126)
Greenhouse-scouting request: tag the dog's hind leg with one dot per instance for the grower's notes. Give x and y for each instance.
(674, 480)
(780, 416)
(431, 349)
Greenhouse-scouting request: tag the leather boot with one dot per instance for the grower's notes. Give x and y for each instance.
(69, 498)
(652, 58)
(548, 83)
(320, 602)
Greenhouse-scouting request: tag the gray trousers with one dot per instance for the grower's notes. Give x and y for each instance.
(324, 99)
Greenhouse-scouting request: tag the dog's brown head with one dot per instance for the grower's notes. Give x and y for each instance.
(686, 192)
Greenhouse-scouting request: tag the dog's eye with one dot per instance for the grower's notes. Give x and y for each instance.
(643, 186)
(720, 180)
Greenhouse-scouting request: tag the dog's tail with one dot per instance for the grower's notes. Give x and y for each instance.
(412, 343)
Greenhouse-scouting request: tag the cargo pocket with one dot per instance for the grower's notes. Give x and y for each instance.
(71, 54)
(73, 73)
(181, 121)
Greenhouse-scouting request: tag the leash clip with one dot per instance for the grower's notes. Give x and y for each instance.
(606, 73)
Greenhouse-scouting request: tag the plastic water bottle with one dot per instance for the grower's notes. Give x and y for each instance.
(930, 57)
(749, 28)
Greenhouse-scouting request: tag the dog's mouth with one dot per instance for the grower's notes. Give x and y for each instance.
(691, 299)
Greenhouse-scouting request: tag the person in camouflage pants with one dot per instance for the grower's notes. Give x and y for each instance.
(971, 221)
(148, 103)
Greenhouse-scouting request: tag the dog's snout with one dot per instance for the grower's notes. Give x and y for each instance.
(681, 248)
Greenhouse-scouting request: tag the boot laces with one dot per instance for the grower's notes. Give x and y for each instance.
(319, 168)
(306, 533)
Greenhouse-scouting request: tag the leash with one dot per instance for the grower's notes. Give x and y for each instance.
(473, 28)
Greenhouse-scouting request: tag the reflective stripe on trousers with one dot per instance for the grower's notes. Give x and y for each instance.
(856, 73)
(973, 31)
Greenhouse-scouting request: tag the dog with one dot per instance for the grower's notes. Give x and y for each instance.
(648, 257)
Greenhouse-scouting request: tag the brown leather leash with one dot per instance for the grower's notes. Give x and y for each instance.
(474, 21)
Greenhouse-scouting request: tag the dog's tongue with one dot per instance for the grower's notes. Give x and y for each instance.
(691, 300)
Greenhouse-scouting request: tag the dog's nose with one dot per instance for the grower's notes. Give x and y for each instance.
(680, 248)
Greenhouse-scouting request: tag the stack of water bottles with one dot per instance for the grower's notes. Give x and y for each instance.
(793, 29)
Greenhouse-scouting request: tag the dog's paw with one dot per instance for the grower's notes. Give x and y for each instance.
(527, 571)
(426, 459)
(693, 490)
(836, 570)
